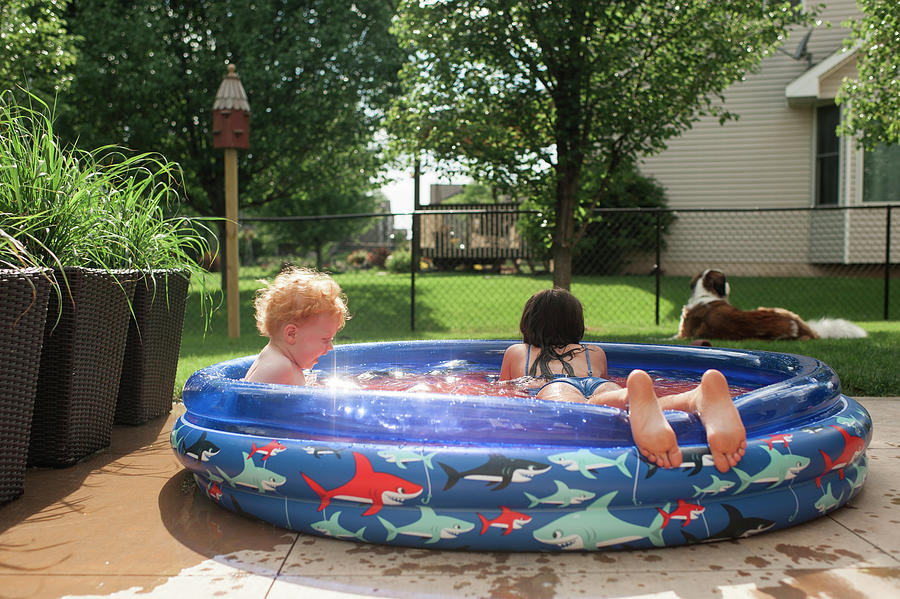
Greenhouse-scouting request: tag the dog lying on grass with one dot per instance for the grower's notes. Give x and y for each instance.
(709, 314)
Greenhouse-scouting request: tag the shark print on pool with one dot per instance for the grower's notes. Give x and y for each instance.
(252, 476)
(508, 520)
(583, 461)
(201, 449)
(332, 528)
(499, 471)
(853, 448)
(597, 527)
(564, 496)
(367, 486)
(429, 526)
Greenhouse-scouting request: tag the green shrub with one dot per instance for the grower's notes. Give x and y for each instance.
(610, 239)
(399, 261)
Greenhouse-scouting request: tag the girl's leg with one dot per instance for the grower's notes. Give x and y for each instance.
(652, 433)
(711, 401)
(610, 394)
(649, 428)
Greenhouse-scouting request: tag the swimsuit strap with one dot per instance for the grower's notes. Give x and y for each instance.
(527, 356)
(587, 358)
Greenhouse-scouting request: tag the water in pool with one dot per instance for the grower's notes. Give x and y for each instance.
(457, 379)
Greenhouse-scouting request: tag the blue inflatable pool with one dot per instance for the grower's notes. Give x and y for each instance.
(501, 473)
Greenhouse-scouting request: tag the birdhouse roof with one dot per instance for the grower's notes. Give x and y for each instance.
(231, 94)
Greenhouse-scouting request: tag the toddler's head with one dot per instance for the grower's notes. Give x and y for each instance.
(552, 318)
(295, 295)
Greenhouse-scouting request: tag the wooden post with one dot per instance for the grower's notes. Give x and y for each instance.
(231, 132)
(231, 243)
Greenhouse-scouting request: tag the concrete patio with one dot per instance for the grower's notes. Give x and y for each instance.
(130, 522)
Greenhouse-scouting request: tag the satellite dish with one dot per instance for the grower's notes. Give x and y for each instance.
(800, 52)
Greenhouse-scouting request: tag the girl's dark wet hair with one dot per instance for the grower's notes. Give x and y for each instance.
(552, 317)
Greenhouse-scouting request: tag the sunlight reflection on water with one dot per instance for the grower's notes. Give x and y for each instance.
(452, 378)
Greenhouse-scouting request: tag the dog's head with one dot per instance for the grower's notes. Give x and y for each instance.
(708, 286)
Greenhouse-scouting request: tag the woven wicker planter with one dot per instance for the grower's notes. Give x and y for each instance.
(23, 312)
(151, 353)
(81, 363)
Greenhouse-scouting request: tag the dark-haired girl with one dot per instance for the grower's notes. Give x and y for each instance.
(552, 327)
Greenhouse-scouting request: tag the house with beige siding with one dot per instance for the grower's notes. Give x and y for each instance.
(782, 153)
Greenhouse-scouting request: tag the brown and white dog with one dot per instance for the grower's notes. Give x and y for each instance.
(708, 314)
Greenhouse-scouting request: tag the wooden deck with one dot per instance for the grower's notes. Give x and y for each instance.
(467, 234)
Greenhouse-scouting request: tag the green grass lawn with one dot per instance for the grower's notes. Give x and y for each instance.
(485, 306)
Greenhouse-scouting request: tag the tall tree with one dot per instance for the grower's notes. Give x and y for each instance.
(872, 101)
(36, 51)
(318, 74)
(530, 94)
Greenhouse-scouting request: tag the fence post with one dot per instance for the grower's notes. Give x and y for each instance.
(657, 266)
(414, 250)
(887, 263)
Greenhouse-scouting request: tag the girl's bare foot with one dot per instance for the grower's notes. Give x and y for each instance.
(652, 433)
(725, 432)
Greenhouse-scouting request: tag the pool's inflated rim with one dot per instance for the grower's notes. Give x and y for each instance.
(791, 390)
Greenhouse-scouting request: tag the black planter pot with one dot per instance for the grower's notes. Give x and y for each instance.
(151, 353)
(23, 312)
(81, 363)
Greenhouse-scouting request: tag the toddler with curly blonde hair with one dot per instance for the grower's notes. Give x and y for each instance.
(300, 312)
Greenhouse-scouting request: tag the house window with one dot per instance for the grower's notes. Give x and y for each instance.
(827, 155)
(881, 174)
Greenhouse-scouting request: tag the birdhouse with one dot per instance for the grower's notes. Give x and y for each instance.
(231, 114)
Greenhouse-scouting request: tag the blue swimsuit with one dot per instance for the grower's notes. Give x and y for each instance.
(586, 384)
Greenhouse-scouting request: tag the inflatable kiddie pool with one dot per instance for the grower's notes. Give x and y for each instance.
(509, 473)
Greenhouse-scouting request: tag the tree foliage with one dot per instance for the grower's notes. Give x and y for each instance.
(611, 238)
(531, 95)
(872, 101)
(318, 74)
(36, 50)
(476, 193)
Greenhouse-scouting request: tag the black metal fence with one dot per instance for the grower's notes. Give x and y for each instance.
(468, 270)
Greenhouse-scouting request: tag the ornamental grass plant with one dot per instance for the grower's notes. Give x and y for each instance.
(44, 190)
(104, 208)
